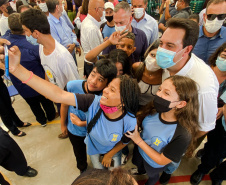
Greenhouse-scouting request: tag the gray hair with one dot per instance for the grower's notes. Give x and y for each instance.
(145, 1)
(15, 24)
(123, 5)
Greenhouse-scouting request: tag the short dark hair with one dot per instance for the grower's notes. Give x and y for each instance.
(51, 4)
(213, 2)
(118, 55)
(23, 6)
(35, 19)
(213, 57)
(14, 24)
(194, 16)
(129, 35)
(191, 30)
(106, 68)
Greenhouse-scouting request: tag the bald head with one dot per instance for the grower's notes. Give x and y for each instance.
(96, 8)
(95, 4)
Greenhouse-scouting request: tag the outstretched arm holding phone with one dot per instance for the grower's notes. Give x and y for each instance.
(45, 88)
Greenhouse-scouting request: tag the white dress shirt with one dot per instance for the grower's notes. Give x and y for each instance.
(3, 24)
(91, 36)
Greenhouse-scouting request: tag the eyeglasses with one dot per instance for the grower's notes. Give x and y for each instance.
(101, 8)
(220, 17)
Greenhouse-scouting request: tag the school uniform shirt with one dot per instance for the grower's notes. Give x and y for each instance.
(76, 86)
(107, 132)
(59, 66)
(169, 138)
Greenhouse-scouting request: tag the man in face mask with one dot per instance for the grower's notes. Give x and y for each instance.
(211, 34)
(144, 21)
(108, 27)
(122, 17)
(60, 29)
(6, 11)
(174, 54)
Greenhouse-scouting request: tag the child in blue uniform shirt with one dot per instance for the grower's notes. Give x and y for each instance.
(167, 134)
(102, 74)
(119, 100)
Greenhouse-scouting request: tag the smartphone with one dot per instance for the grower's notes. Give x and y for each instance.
(101, 159)
(6, 60)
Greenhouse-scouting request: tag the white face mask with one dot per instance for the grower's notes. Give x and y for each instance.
(43, 7)
(120, 28)
(138, 12)
(214, 25)
(176, 5)
(151, 64)
(103, 16)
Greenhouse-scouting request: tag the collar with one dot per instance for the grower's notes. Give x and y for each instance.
(187, 67)
(201, 33)
(186, 8)
(54, 18)
(17, 36)
(93, 20)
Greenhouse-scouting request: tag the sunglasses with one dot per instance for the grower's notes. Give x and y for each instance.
(220, 17)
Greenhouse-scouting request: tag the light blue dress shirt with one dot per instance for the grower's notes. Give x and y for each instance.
(206, 46)
(149, 26)
(61, 31)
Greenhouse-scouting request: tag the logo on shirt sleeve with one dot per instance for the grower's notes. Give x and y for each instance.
(115, 137)
(157, 142)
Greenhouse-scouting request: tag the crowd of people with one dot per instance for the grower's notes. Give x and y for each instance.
(160, 83)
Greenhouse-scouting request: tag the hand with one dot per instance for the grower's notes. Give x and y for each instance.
(78, 50)
(64, 129)
(106, 38)
(71, 47)
(75, 119)
(220, 112)
(14, 56)
(116, 36)
(106, 162)
(135, 136)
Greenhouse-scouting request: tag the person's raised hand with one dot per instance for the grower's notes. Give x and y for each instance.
(14, 56)
(116, 36)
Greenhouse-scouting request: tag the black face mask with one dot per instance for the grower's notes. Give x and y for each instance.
(109, 18)
(10, 10)
(161, 105)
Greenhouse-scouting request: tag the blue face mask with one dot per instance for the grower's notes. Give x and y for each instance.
(221, 63)
(31, 40)
(165, 58)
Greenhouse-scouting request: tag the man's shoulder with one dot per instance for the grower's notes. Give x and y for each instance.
(138, 31)
(202, 74)
(150, 18)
